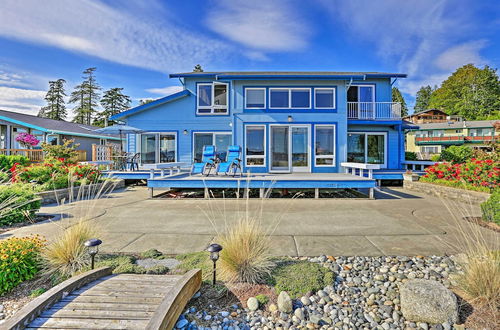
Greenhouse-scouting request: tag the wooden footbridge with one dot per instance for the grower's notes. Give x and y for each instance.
(99, 300)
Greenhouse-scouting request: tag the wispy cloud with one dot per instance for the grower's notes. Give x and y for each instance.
(260, 24)
(165, 90)
(112, 33)
(20, 99)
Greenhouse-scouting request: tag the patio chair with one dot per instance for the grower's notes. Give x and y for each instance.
(133, 161)
(207, 161)
(232, 163)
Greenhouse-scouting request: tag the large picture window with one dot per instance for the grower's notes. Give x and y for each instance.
(367, 148)
(221, 141)
(212, 98)
(255, 98)
(324, 145)
(289, 98)
(158, 148)
(255, 141)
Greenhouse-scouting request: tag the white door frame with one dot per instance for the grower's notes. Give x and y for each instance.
(290, 147)
(386, 147)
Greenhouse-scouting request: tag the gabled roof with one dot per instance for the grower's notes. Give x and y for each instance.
(424, 111)
(287, 75)
(53, 126)
(152, 104)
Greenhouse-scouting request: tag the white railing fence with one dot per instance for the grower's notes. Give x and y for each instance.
(373, 110)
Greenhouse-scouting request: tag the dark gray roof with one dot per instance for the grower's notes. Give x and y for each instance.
(458, 124)
(51, 125)
(223, 74)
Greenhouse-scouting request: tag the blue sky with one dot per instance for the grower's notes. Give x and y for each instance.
(135, 44)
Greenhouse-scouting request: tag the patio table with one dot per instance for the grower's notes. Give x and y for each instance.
(163, 166)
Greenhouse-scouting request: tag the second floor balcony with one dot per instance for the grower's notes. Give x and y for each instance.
(454, 139)
(373, 110)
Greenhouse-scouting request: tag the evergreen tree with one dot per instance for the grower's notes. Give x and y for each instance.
(423, 98)
(113, 102)
(398, 97)
(86, 97)
(56, 106)
(470, 92)
(198, 68)
(145, 101)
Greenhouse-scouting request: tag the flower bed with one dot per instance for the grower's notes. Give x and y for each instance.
(474, 174)
(18, 202)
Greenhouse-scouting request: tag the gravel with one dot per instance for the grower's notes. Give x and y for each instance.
(364, 295)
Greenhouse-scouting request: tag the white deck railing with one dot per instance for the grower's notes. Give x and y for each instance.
(373, 110)
(361, 167)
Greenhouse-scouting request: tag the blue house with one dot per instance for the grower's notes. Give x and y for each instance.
(285, 122)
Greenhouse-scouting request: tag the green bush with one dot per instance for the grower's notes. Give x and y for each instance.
(4, 177)
(37, 292)
(456, 154)
(194, 260)
(435, 158)
(153, 254)
(19, 260)
(491, 208)
(7, 161)
(262, 299)
(410, 155)
(18, 202)
(300, 277)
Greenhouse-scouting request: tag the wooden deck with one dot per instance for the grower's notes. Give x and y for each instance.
(124, 301)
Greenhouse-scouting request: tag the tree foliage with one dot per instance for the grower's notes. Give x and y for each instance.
(470, 92)
(197, 68)
(423, 98)
(86, 97)
(145, 101)
(113, 102)
(398, 97)
(56, 105)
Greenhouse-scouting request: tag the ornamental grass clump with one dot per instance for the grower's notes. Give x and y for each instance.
(18, 203)
(19, 260)
(67, 255)
(246, 252)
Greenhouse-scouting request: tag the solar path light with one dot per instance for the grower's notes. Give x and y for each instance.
(92, 248)
(214, 250)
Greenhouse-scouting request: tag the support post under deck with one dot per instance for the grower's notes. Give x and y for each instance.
(316, 192)
(261, 192)
(371, 193)
(150, 192)
(206, 194)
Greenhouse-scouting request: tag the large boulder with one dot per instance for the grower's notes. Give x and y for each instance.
(428, 301)
(252, 304)
(284, 302)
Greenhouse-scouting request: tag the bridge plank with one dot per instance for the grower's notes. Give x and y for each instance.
(114, 299)
(62, 323)
(96, 314)
(98, 305)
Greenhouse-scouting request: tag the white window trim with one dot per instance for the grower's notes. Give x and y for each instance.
(373, 91)
(326, 89)
(334, 155)
(213, 139)
(157, 145)
(384, 165)
(264, 157)
(256, 89)
(290, 89)
(212, 107)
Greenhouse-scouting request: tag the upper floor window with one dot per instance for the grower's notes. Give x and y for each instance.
(289, 98)
(324, 98)
(255, 98)
(212, 98)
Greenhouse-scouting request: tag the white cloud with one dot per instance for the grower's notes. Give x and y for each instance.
(21, 100)
(115, 33)
(462, 54)
(165, 90)
(259, 24)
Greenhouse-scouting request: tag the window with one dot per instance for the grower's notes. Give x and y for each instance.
(158, 148)
(430, 150)
(290, 98)
(212, 99)
(53, 140)
(325, 145)
(481, 132)
(366, 148)
(255, 141)
(221, 141)
(324, 98)
(255, 98)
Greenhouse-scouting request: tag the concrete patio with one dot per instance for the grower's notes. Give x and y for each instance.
(396, 223)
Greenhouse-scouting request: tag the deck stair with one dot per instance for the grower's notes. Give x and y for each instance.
(124, 301)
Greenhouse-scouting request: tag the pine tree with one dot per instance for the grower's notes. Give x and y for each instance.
(113, 102)
(86, 97)
(423, 98)
(198, 68)
(56, 106)
(398, 97)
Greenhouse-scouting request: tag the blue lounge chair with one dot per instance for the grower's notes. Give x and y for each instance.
(207, 161)
(232, 163)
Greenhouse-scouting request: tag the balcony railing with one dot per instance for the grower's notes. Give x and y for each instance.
(454, 139)
(373, 110)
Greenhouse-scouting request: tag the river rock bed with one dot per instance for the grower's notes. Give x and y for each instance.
(364, 295)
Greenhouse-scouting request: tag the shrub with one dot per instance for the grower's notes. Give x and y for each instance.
(17, 203)
(246, 253)
(410, 155)
(299, 278)
(67, 255)
(36, 292)
(194, 260)
(262, 299)
(19, 260)
(153, 254)
(435, 158)
(66, 151)
(491, 208)
(456, 154)
(7, 161)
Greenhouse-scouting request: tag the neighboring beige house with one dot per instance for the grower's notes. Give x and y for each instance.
(432, 138)
(430, 116)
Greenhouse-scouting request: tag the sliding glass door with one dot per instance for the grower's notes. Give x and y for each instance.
(221, 141)
(367, 148)
(158, 148)
(290, 148)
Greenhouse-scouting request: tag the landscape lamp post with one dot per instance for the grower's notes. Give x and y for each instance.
(214, 250)
(93, 248)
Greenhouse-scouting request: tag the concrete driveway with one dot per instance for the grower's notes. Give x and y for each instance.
(397, 223)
